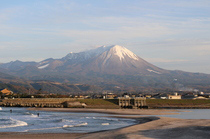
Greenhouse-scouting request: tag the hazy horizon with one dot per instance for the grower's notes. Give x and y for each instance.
(169, 34)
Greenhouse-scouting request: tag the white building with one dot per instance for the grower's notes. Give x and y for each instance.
(175, 96)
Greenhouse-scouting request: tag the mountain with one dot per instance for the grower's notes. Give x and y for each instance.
(110, 67)
(106, 60)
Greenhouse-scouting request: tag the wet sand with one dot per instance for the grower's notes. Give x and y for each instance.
(162, 128)
(149, 127)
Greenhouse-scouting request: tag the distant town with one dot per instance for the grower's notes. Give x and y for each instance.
(107, 100)
(8, 94)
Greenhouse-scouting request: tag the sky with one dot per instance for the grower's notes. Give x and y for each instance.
(171, 34)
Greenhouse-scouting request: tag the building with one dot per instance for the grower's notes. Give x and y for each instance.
(109, 96)
(175, 96)
(6, 92)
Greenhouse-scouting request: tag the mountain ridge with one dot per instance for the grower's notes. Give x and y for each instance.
(107, 67)
(105, 59)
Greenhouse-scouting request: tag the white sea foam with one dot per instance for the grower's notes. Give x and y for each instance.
(64, 120)
(0, 108)
(105, 124)
(82, 124)
(89, 117)
(28, 113)
(32, 115)
(14, 123)
(42, 129)
(65, 126)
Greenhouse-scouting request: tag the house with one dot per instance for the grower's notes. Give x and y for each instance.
(6, 92)
(175, 96)
(109, 96)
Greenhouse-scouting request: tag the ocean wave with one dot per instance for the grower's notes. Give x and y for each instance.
(13, 123)
(64, 126)
(105, 124)
(0, 108)
(104, 118)
(90, 117)
(31, 114)
(41, 129)
(28, 113)
(65, 120)
(82, 124)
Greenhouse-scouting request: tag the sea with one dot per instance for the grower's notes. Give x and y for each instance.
(190, 114)
(14, 119)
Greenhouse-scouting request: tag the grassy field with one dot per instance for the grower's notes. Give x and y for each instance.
(153, 103)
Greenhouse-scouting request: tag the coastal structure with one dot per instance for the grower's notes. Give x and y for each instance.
(124, 102)
(109, 96)
(39, 102)
(137, 102)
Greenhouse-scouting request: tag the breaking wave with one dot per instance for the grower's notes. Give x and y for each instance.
(31, 114)
(8, 123)
(82, 124)
(105, 124)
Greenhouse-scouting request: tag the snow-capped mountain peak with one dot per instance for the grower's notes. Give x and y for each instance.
(117, 50)
(121, 52)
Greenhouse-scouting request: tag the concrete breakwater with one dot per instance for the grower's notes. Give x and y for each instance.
(42, 102)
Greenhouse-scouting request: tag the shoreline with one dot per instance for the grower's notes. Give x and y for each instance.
(146, 127)
(112, 111)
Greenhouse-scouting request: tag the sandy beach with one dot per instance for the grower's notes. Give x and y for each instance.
(149, 127)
